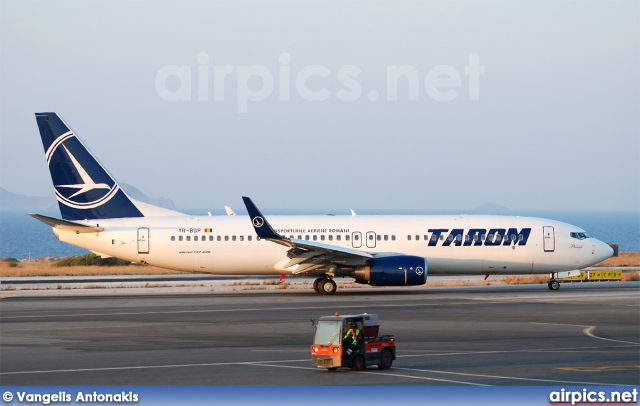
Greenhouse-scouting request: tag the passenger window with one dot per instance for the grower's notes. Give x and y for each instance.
(188, 238)
(356, 237)
(346, 237)
(180, 238)
(249, 238)
(195, 238)
(306, 237)
(467, 238)
(226, 238)
(426, 237)
(434, 237)
(173, 238)
(513, 237)
(338, 237)
(386, 237)
(393, 237)
(370, 237)
(409, 238)
(450, 238)
(417, 238)
(379, 237)
(475, 237)
(483, 237)
(219, 238)
(322, 237)
(299, 237)
(458, 237)
(330, 237)
(520, 237)
(441, 237)
(315, 237)
(242, 238)
(233, 238)
(210, 238)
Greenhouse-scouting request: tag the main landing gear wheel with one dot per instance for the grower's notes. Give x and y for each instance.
(554, 284)
(328, 286)
(316, 284)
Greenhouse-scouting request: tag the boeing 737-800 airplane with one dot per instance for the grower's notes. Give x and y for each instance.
(376, 250)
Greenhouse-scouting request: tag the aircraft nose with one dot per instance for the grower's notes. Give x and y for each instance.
(602, 250)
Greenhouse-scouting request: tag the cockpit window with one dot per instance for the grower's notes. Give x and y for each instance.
(580, 236)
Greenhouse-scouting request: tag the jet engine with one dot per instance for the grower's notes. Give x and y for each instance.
(400, 270)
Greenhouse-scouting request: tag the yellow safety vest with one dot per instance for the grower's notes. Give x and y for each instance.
(354, 333)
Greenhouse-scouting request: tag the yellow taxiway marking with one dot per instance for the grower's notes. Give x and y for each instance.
(601, 369)
(272, 309)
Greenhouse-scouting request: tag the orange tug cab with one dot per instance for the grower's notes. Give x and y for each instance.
(351, 341)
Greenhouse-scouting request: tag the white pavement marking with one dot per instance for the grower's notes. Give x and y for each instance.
(514, 351)
(213, 364)
(383, 374)
(588, 330)
(507, 377)
(296, 360)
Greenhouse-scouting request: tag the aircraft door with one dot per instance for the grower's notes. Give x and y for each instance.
(356, 239)
(549, 239)
(143, 240)
(371, 239)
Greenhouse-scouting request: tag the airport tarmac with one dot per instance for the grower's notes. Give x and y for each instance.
(583, 334)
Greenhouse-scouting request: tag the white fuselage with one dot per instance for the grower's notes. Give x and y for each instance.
(229, 245)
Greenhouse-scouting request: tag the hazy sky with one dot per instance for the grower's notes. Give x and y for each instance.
(526, 104)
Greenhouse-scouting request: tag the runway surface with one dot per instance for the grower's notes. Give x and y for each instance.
(496, 335)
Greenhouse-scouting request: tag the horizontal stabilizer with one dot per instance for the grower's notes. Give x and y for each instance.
(65, 224)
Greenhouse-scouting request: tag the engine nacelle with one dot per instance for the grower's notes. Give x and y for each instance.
(400, 270)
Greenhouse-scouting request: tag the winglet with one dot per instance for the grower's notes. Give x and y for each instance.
(260, 224)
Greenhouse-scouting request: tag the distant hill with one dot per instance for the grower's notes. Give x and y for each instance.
(139, 195)
(12, 201)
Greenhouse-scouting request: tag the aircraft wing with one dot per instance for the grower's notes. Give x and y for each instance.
(308, 255)
(66, 225)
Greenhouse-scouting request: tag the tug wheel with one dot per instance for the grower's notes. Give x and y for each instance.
(385, 360)
(358, 363)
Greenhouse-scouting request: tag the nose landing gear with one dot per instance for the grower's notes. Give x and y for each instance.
(553, 284)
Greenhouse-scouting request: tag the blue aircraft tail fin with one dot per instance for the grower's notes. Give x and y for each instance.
(84, 189)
